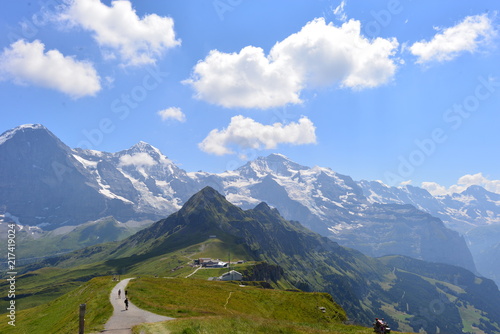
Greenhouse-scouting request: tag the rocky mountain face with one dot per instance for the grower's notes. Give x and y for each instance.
(45, 183)
(475, 213)
(412, 295)
(462, 212)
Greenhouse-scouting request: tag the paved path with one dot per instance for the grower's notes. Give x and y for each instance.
(122, 321)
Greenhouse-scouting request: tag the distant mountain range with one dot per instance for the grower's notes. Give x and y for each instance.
(45, 183)
(412, 295)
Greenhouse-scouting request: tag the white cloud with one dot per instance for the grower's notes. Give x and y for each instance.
(435, 189)
(466, 36)
(139, 159)
(324, 54)
(462, 184)
(245, 79)
(174, 113)
(137, 40)
(27, 63)
(247, 133)
(319, 55)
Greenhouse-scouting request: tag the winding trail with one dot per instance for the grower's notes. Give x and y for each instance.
(227, 300)
(122, 321)
(194, 272)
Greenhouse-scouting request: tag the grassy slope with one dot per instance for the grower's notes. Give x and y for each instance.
(221, 307)
(202, 306)
(61, 315)
(43, 285)
(450, 284)
(245, 325)
(191, 297)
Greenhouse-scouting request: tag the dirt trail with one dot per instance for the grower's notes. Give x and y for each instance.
(122, 321)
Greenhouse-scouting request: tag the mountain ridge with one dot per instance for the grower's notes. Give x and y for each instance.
(142, 183)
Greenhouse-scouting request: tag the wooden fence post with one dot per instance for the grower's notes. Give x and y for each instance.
(82, 318)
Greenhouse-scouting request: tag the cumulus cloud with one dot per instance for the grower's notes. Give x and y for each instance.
(245, 79)
(462, 184)
(319, 54)
(118, 29)
(466, 36)
(27, 63)
(139, 160)
(174, 113)
(247, 133)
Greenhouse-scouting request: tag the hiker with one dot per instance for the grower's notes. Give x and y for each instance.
(380, 326)
(376, 325)
(126, 304)
(119, 293)
(126, 293)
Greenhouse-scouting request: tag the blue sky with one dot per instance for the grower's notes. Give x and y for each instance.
(394, 90)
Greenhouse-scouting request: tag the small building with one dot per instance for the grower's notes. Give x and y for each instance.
(202, 260)
(214, 264)
(233, 275)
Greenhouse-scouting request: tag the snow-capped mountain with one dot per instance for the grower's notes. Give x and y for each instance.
(43, 182)
(46, 183)
(475, 213)
(462, 212)
(334, 205)
(299, 192)
(140, 176)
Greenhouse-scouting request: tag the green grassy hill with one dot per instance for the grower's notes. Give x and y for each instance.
(222, 307)
(199, 306)
(70, 238)
(45, 284)
(61, 315)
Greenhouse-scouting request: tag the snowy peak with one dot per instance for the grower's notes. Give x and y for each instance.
(275, 164)
(26, 132)
(148, 161)
(22, 128)
(143, 149)
(478, 192)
